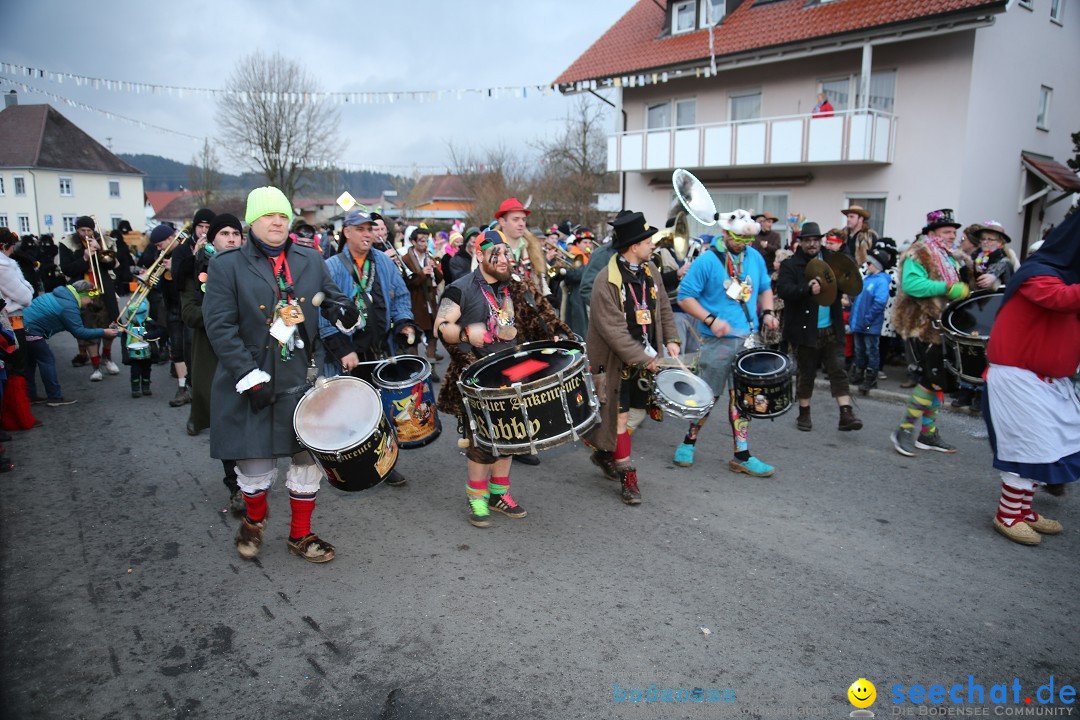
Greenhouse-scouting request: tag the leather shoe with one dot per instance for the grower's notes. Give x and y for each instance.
(191, 428)
(527, 459)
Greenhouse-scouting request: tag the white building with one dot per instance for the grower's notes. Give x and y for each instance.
(953, 103)
(51, 172)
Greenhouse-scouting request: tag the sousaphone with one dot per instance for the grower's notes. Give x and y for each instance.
(694, 197)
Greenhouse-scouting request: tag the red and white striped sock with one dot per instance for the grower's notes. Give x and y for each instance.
(1028, 514)
(1011, 507)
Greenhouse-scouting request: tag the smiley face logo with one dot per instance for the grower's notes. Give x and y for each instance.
(862, 693)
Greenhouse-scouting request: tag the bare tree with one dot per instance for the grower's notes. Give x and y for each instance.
(270, 121)
(204, 174)
(575, 165)
(490, 176)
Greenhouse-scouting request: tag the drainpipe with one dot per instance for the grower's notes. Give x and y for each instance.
(622, 173)
(864, 76)
(37, 215)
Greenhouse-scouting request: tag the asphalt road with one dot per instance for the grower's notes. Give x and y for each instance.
(123, 596)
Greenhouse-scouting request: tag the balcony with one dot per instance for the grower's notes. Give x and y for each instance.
(849, 137)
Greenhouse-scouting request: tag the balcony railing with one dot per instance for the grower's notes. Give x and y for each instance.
(847, 137)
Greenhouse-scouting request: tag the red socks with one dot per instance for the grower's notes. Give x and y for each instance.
(256, 506)
(622, 447)
(302, 507)
(1011, 506)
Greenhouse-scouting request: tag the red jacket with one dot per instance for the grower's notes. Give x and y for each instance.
(1038, 329)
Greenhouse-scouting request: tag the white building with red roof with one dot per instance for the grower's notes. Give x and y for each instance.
(967, 104)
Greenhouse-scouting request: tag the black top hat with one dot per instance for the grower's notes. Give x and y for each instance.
(940, 218)
(630, 229)
(809, 230)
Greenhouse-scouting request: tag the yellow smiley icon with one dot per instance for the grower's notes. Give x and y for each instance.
(862, 693)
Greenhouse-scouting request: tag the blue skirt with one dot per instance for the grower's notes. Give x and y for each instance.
(1063, 470)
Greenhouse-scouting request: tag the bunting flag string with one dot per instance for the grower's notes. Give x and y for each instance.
(367, 97)
(90, 108)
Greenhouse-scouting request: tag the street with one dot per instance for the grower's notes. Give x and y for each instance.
(123, 596)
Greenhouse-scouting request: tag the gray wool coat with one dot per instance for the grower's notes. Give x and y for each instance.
(237, 310)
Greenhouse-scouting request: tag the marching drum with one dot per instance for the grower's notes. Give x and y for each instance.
(764, 382)
(341, 422)
(530, 398)
(682, 393)
(965, 331)
(408, 400)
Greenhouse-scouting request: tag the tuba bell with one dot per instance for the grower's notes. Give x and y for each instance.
(675, 238)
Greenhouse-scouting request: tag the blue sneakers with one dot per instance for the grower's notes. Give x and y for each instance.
(684, 455)
(753, 466)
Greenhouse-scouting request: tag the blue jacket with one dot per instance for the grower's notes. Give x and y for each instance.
(395, 294)
(57, 311)
(868, 310)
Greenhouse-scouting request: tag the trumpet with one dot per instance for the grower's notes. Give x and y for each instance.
(153, 275)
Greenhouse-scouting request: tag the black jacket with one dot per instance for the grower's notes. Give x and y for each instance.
(800, 310)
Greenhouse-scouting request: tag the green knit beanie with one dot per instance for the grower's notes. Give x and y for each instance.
(265, 200)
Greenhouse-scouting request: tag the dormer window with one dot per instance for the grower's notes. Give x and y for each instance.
(683, 15)
(712, 12)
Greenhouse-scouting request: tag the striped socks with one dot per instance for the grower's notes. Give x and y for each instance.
(921, 399)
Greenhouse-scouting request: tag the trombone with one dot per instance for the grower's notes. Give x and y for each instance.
(94, 260)
(147, 283)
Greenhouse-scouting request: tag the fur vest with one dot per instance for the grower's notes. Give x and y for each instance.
(913, 317)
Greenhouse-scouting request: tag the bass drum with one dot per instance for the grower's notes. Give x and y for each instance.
(408, 400)
(965, 332)
(764, 382)
(530, 398)
(341, 422)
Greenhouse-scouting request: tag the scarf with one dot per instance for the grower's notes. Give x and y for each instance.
(943, 259)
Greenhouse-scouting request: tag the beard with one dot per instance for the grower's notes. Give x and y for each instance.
(493, 271)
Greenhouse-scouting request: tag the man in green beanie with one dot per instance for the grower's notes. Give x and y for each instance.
(262, 326)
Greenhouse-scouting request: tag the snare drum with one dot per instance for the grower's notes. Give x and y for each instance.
(764, 382)
(530, 398)
(408, 400)
(341, 422)
(138, 350)
(682, 393)
(965, 331)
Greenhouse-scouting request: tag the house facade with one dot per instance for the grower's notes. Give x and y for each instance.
(51, 172)
(967, 104)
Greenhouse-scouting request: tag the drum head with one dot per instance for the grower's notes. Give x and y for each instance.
(761, 363)
(684, 388)
(138, 345)
(337, 414)
(402, 372)
(973, 316)
(532, 361)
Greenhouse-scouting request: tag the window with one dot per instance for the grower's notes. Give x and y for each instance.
(2, 188)
(24, 224)
(682, 16)
(116, 221)
(882, 90)
(746, 106)
(658, 116)
(1056, 6)
(3, 221)
(65, 187)
(875, 205)
(1026, 4)
(712, 12)
(20, 185)
(1042, 122)
(68, 222)
(114, 188)
(685, 112)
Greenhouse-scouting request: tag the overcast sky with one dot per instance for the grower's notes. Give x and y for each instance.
(348, 46)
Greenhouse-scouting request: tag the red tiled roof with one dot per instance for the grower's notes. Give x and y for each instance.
(440, 187)
(633, 43)
(159, 199)
(1052, 171)
(38, 136)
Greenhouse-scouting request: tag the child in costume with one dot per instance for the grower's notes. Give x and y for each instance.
(136, 349)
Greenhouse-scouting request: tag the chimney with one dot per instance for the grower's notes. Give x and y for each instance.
(11, 99)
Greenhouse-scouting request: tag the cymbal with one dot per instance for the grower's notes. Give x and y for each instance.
(819, 270)
(848, 277)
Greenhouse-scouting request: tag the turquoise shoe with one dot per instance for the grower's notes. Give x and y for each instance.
(684, 455)
(753, 466)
